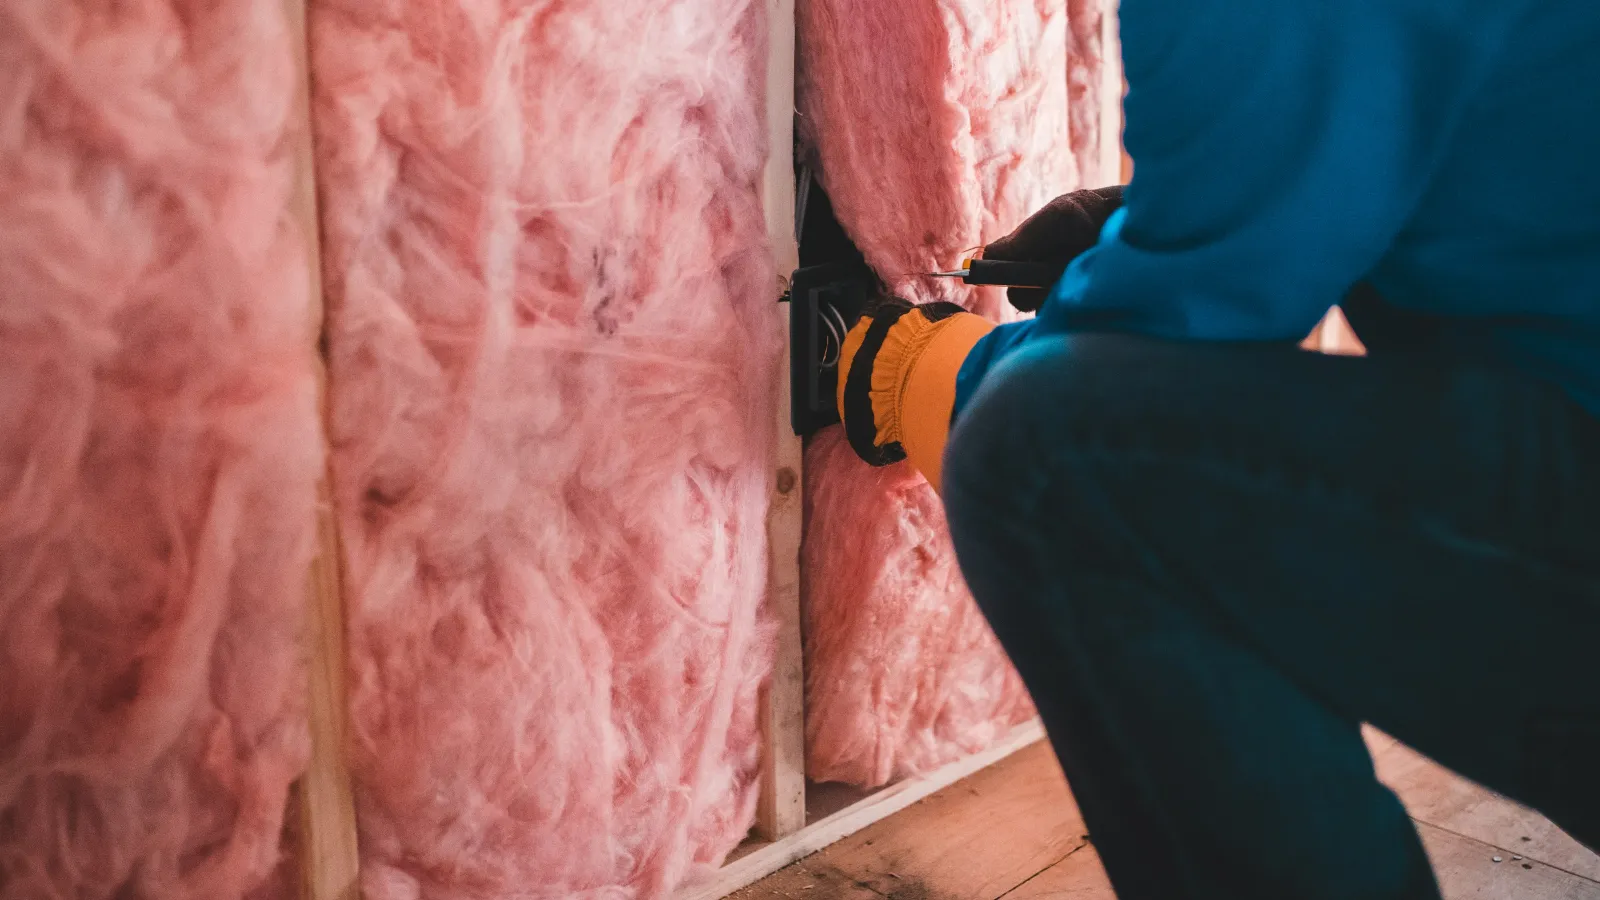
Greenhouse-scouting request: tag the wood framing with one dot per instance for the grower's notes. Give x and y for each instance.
(781, 809)
(330, 865)
(769, 858)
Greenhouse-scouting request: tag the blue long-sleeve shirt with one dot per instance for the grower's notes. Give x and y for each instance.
(1446, 152)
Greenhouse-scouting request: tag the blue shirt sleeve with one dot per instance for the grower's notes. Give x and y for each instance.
(1280, 147)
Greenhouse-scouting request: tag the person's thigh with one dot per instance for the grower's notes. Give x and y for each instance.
(1413, 543)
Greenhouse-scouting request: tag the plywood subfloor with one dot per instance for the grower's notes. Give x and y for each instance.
(1012, 831)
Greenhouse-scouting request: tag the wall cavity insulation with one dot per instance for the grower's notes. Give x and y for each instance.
(535, 371)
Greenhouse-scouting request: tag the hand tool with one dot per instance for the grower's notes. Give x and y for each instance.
(1006, 273)
(834, 286)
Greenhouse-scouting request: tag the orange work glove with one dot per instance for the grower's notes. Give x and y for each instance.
(897, 380)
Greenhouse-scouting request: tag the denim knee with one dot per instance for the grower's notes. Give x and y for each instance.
(1005, 459)
(1002, 439)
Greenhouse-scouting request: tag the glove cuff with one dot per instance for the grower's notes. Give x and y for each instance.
(903, 346)
(926, 393)
(898, 394)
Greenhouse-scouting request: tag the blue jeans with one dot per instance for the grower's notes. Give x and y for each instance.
(1212, 562)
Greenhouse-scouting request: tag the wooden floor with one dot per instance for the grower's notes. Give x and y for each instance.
(1013, 831)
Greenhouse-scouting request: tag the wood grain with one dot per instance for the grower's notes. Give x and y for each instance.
(781, 805)
(979, 837)
(1012, 831)
(328, 851)
(1078, 877)
(1440, 798)
(1466, 870)
(757, 861)
(813, 878)
(1016, 817)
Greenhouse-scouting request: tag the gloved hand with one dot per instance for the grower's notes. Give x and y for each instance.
(897, 380)
(898, 365)
(1069, 225)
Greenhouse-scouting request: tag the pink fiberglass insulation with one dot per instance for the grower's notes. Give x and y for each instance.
(902, 672)
(936, 125)
(1086, 66)
(159, 449)
(552, 345)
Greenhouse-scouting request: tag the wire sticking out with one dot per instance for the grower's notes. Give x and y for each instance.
(833, 344)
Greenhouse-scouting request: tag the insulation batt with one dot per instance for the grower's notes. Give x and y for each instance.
(936, 125)
(552, 346)
(159, 449)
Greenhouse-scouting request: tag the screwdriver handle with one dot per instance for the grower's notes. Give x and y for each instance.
(1006, 273)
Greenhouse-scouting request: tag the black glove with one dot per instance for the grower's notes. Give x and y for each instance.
(1067, 226)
